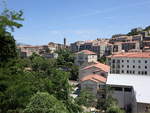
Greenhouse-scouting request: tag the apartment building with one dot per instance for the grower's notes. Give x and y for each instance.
(85, 56)
(133, 63)
(26, 51)
(120, 38)
(131, 91)
(100, 47)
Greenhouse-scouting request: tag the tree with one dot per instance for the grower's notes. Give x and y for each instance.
(43, 102)
(65, 61)
(114, 109)
(86, 98)
(8, 19)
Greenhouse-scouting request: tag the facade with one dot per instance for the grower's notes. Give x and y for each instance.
(126, 46)
(27, 51)
(94, 68)
(93, 77)
(133, 63)
(120, 38)
(85, 56)
(55, 46)
(101, 47)
(130, 91)
(95, 84)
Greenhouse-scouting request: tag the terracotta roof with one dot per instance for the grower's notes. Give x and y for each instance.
(94, 77)
(87, 52)
(131, 55)
(99, 65)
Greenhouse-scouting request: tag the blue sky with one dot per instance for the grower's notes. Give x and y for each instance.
(52, 20)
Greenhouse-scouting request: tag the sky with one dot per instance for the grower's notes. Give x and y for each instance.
(52, 20)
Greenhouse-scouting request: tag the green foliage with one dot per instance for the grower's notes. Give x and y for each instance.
(72, 106)
(21, 79)
(86, 98)
(147, 28)
(8, 19)
(110, 102)
(43, 102)
(114, 109)
(102, 60)
(65, 61)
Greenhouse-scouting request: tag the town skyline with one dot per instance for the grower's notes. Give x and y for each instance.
(82, 20)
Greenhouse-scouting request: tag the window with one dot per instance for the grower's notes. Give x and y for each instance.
(113, 66)
(145, 61)
(142, 72)
(127, 71)
(139, 61)
(113, 71)
(145, 72)
(122, 66)
(117, 88)
(118, 61)
(133, 66)
(122, 60)
(113, 61)
(139, 72)
(133, 72)
(118, 66)
(117, 71)
(122, 71)
(139, 66)
(133, 61)
(145, 67)
(128, 61)
(130, 72)
(127, 89)
(127, 66)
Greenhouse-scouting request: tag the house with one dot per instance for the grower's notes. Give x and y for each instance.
(85, 56)
(93, 77)
(133, 63)
(94, 68)
(94, 83)
(131, 91)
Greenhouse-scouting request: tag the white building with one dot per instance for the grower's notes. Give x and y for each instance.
(131, 91)
(85, 56)
(137, 63)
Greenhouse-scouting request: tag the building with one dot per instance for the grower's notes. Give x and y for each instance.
(94, 68)
(126, 46)
(75, 47)
(133, 63)
(55, 46)
(131, 91)
(92, 77)
(26, 51)
(101, 47)
(120, 38)
(95, 84)
(85, 56)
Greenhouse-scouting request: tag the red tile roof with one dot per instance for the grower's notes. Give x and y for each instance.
(131, 55)
(94, 77)
(87, 52)
(99, 65)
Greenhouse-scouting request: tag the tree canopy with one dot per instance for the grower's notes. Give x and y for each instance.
(43, 102)
(8, 19)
